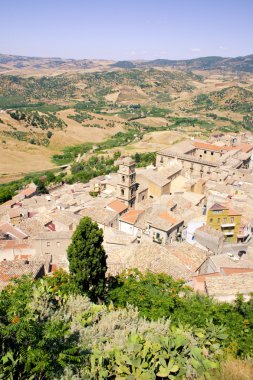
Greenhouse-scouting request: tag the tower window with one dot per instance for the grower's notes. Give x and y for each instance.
(123, 178)
(122, 192)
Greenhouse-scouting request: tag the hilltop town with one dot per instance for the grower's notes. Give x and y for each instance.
(188, 216)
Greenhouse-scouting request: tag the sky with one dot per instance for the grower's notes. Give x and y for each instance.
(126, 29)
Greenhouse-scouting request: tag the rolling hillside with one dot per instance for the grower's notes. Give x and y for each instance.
(47, 104)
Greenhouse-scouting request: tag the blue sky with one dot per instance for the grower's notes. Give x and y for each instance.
(133, 29)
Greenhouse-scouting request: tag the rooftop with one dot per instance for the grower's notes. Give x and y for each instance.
(117, 206)
(131, 216)
(226, 261)
(229, 285)
(15, 269)
(11, 231)
(101, 216)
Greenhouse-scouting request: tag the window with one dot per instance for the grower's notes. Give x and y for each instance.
(211, 220)
(218, 220)
(211, 153)
(143, 197)
(232, 219)
(122, 192)
(157, 235)
(161, 160)
(224, 220)
(123, 178)
(205, 151)
(48, 243)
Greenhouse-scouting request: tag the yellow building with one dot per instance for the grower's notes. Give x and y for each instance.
(222, 218)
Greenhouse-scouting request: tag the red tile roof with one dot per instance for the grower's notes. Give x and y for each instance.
(218, 207)
(232, 212)
(202, 145)
(245, 147)
(14, 232)
(117, 206)
(231, 271)
(207, 146)
(131, 217)
(28, 191)
(15, 269)
(168, 217)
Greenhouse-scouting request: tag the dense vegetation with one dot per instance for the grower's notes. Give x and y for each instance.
(43, 179)
(48, 331)
(158, 296)
(69, 154)
(37, 120)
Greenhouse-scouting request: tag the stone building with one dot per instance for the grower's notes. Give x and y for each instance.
(126, 188)
(202, 159)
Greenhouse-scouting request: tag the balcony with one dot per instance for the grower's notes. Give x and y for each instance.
(228, 233)
(157, 240)
(227, 225)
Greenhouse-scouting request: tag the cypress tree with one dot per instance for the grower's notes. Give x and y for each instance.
(87, 259)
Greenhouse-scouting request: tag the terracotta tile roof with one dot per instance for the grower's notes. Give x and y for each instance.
(117, 206)
(15, 244)
(245, 147)
(189, 256)
(28, 191)
(232, 212)
(15, 212)
(22, 257)
(13, 232)
(225, 261)
(218, 207)
(168, 217)
(202, 145)
(231, 271)
(15, 269)
(229, 285)
(101, 216)
(202, 277)
(126, 161)
(131, 216)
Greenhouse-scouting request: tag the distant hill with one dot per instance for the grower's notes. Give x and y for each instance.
(244, 64)
(18, 63)
(124, 64)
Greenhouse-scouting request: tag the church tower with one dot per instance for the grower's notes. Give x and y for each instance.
(126, 187)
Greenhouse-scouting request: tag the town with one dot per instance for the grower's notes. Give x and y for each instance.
(188, 216)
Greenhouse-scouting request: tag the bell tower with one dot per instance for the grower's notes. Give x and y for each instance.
(126, 187)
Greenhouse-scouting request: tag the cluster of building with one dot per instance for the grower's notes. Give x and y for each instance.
(189, 216)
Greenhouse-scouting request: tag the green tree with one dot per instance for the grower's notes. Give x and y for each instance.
(87, 259)
(41, 188)
(49, 134)
(155, 295)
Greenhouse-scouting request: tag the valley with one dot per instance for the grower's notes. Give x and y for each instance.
(49, 104)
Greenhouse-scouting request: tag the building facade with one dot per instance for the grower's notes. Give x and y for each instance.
(225, 220)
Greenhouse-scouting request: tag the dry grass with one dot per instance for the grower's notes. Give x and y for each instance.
(234, 369)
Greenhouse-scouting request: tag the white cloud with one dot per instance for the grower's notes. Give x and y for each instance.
(223, 47)
(195, 49)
